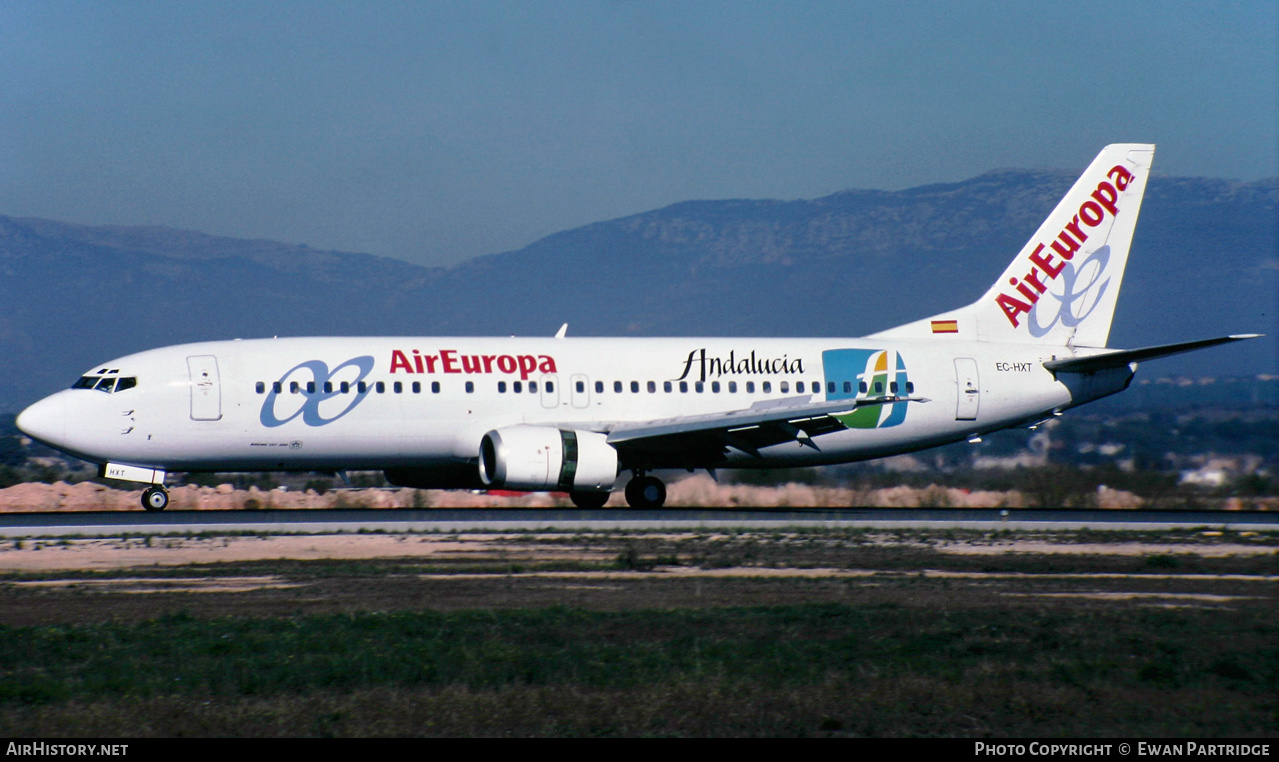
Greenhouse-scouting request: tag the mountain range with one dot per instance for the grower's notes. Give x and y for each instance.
(1205, 262)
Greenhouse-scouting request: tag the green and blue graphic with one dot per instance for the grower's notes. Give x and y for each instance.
(867, 374)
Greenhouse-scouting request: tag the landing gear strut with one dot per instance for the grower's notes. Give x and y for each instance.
(155, 498)
(645, 491)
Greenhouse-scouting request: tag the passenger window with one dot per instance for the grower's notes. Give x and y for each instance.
(848, 387)
(634, 387)
(666, 386)
(362, 387)
(799, 387)
(683, 387)
(732, 387)
(617, 386)
(381, 387)
(783, 387)
(715, 387)
(892, 387)
(345, 387)
(501, 387)
(830, 387)
(532, 387)
(294, 388)
(328, 387)
(275, 387)
(879, 387)
(310, 387)
(517, 387)
(599, 387)
(581, 387)
(398, 387)
(910, 387)
(417, 387)
(750, 387)
(260, 388)
(768, 387)
(699, 387)
(550, 387)
(470, 387)
(435, 387)
(652, 387)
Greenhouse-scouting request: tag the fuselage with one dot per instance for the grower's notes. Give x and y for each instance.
(386, 403)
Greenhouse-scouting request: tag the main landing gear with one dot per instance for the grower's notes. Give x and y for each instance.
(645, 491)
(589, 500)
(641, 492)
(155, 498)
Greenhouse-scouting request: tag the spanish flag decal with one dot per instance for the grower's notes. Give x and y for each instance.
(945, 326)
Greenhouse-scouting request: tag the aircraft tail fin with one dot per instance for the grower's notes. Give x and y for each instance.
(1062, 287)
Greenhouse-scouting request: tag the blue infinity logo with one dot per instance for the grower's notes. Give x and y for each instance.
(311, 405)
(1088, 294)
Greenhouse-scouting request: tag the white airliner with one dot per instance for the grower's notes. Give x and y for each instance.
(571, 414)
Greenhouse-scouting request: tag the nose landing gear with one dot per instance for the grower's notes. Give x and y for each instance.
(155, 498)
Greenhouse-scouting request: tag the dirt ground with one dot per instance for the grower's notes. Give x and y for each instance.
(698, 490)
(56, 580)
(105, 554)
(926, 632)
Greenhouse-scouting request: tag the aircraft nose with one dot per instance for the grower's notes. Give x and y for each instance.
(46, 420)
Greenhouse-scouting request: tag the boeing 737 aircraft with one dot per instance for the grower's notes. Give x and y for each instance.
(572, 414)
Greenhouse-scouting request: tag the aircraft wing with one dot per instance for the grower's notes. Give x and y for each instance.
(747, 430)
(1092, 363)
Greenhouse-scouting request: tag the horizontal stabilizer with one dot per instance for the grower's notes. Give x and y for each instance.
(1122, 357)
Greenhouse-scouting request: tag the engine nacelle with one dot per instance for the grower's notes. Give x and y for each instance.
(546, 458)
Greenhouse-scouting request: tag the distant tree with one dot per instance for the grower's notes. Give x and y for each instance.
(1059, 486)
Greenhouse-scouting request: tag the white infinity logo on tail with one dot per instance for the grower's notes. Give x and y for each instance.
(1082, 289)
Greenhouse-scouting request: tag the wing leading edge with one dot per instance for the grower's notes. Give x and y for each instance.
(706, 437)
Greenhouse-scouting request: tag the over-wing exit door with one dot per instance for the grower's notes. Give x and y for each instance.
(969, 389)
(206, 393)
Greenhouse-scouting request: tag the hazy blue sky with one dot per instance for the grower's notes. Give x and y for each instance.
(435, 132)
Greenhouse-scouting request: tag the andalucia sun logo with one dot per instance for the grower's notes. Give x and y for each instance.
(863, 374)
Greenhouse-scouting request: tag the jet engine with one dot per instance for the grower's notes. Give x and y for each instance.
(546, 458)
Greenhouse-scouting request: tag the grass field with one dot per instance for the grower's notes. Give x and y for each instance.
(780, 634)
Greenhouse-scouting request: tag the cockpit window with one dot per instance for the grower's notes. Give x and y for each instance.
(106, 381)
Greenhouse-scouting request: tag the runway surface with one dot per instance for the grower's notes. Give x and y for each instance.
(116, 523)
